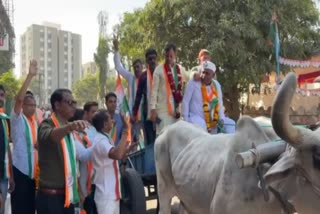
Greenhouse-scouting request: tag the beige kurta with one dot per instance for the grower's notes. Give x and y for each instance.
(159, 97)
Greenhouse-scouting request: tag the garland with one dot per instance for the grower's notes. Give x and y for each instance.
(175, 82)
(210, 106)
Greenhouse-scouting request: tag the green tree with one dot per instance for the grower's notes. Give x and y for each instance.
(86, 89)
(234, 31)
(10, 83)
(101, 59)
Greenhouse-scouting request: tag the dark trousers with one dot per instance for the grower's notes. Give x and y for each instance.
(52, 204)
(89, 205)
(23, 196)
(149, 132)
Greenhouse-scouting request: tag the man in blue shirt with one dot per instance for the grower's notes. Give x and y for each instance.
(111, 104)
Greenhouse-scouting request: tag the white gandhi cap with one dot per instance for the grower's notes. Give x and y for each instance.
(208, 65)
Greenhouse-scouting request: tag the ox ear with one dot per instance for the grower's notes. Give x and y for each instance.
(281, 169)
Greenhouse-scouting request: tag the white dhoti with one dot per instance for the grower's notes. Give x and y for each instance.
(107, 206)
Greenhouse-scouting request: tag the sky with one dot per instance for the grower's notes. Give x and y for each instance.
(77, 16)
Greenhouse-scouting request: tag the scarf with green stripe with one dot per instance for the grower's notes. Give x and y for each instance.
(4, 118)
(119, 188)
(70, 170)
(31, 128)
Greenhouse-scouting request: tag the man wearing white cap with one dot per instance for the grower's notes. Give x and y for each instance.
(202, 102)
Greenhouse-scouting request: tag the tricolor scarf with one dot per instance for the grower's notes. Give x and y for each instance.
(210, 105)
(119, 184)
(133, 92)
(4, 117)
(113, 133)
(70, 172)
(31, 128)
(173, 81)
(86, 143)
(149, 92)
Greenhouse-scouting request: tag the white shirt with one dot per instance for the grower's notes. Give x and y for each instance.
(130, 78)
(104, 166)
(18, 135)
(192, 104)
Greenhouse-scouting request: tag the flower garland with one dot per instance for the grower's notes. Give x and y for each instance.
(210, 106)
(176, 90)
(176, 87)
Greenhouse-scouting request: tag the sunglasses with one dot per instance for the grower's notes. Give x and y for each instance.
(70, 102)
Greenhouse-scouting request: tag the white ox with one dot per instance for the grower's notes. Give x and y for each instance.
(200, 168)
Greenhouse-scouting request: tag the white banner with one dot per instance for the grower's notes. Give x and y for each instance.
(299, 63)
(4, 42)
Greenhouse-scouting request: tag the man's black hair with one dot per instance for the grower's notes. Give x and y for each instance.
(57, 96)
(99, 118)
(87, 106)
(170, 46)
(151, 51)
(109, 95)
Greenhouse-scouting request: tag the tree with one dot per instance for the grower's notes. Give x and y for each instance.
(86, 89)
(10, 83)
(234, 31)
(100, 59)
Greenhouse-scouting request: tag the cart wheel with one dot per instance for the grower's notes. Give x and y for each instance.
(134, 201)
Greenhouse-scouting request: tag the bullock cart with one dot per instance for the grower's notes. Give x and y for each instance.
(139, 174)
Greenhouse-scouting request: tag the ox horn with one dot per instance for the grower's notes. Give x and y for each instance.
(280, 115)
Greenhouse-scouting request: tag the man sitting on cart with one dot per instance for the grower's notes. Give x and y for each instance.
(202, 102)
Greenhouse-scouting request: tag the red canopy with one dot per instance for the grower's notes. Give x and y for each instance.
(308, 78)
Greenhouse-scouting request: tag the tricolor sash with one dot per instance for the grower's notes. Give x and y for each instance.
(113, 133)
(31, 128)
(4, 117)
(69, 159)
(119, 186)
(170, 100)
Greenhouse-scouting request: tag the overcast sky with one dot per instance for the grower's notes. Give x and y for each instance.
(77, 16)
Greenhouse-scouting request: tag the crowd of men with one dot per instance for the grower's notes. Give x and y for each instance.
(71, 156)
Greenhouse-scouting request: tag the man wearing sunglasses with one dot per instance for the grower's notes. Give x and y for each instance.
(58, 151)
(24, 156)
(144, 91)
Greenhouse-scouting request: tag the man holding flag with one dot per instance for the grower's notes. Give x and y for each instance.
(132, 80)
